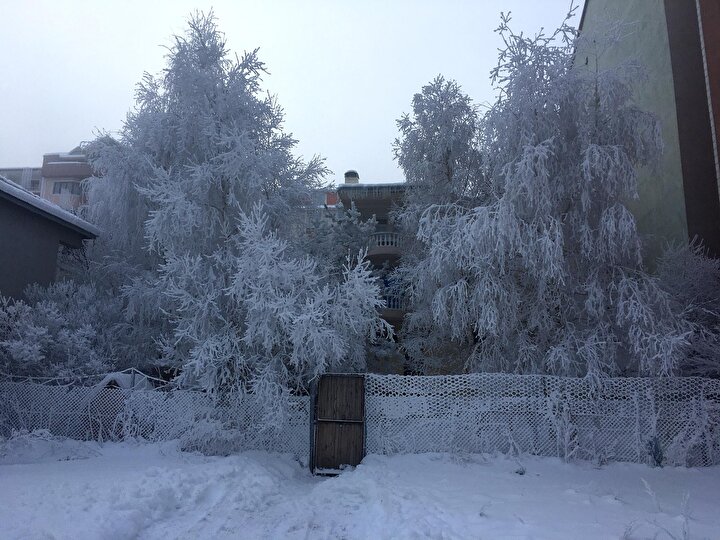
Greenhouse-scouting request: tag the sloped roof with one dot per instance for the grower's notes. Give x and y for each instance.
(11, 191)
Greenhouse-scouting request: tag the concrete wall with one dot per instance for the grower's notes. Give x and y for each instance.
(660, 210)
(28, 248)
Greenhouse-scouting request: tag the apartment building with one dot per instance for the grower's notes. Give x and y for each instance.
(62, 174)
(58, 180)
(678, 43)
(384, 249)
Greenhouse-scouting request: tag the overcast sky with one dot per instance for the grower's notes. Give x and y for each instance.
(343, 70)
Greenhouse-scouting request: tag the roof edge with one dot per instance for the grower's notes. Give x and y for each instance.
(28, 200)
(582, 15)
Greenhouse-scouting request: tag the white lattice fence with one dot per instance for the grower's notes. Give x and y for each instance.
(623, 420)
(93, 413)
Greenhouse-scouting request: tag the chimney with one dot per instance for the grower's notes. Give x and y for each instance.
(352, 177)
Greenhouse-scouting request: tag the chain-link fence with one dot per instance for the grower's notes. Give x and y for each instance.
(671, 420)
(674, 421)
(101, 413)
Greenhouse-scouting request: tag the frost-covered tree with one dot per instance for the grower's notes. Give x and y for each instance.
(538, 268)
(692, 279)
(439, 153)
(62, 330)
(438, 145)
(276, 322)
(333, 235)
(202, 143)
(204, 167)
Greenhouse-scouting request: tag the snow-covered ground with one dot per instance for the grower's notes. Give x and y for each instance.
(51, 489)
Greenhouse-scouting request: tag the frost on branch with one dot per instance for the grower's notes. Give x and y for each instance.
(64, 330)
(252, 318)
(535, 266)
(693, 281)
(207, 210)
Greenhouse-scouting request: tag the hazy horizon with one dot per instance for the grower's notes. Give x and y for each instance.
(343, 72)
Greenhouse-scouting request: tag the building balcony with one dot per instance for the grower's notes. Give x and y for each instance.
(372, 199)
(395, 307)
(383, 246)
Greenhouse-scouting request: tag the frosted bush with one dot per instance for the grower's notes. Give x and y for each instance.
(692, 279)
(63, 330)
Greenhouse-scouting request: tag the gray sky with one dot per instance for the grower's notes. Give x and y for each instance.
(343, 70)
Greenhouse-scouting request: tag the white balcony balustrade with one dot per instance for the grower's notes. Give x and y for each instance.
(384, 244)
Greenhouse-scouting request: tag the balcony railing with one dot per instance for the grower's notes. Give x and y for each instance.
(384, 240)
(393, 301)
(372, 191)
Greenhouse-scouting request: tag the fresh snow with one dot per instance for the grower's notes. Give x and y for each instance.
(66, 162)
(66, 489)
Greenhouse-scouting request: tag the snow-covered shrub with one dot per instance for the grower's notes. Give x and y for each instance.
(535, 265)
(693, 281)
(63, 330)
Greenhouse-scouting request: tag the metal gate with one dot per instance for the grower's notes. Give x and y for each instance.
(339, 423)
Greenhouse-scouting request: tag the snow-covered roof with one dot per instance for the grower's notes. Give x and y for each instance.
(67, 162)
(74, 153)
(11, 190)
(373, 191)
(375, 184)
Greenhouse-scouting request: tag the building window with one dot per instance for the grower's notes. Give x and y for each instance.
(66, 188)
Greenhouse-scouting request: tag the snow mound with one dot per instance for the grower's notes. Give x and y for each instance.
(154, 491)
(24, 447)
